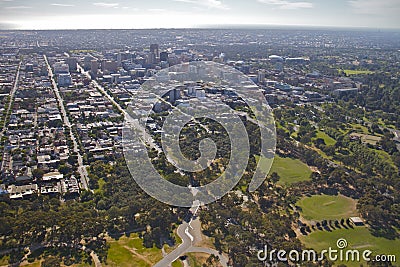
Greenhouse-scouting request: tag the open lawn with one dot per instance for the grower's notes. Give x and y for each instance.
(328, 140)
(4, 260)
(38, 264)
(324, 207)
(129, 251)
(360, 128)
(290, 170)
(357, 72)
(197, 259)
(177, 263)
(366, 138)
(384, 155)
(358, 238)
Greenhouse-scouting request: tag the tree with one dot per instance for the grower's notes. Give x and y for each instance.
(64, 169)
(38, 173)
(212, 261)
(274, 177)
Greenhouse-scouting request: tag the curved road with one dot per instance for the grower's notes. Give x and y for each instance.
(190, 233)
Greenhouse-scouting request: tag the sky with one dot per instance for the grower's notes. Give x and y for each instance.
(133, 14)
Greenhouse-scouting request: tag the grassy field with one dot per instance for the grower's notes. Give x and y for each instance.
(177, 263)
(357, 72)
(328, 140)
(357, 238)
(360, 128)
(4, 260)
(384, 155)
(197, 259)
(365, 138)
(290, 170)
(129, 251)
(324, 207)
(38, 264)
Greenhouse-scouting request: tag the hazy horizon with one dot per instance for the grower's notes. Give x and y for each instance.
(124, 14)
(219, 27)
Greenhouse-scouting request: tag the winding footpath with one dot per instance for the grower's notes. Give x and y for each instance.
(190, 233)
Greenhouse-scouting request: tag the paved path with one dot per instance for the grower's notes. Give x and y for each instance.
(95, 259)
(190, 233)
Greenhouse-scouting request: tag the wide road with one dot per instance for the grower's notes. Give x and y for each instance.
(81, 168)
(147, 137)
(12, 94)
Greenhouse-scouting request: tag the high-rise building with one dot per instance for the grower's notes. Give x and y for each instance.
(110, 66)
(174, 95)
(164, 56)
(154, 49)
(154, 55)
(94, 66)
(119, 59)
(72, 63)
(64, 79)
(29, 67)
(261, 76)
(61, 67)
(87, 61)
(151, 59)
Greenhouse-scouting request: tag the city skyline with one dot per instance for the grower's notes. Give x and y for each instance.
(123, 14)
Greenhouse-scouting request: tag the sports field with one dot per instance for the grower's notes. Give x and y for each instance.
(324, 207)
(358, 238)
(357, 72)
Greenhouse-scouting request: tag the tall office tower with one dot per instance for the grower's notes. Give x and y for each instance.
(72, 64)
(174, 95)
(94, 66)
(261, 76)
(119, 59)
(151, 59)
(108, 65)
(164, 56)
(87, 62)
(154, 49)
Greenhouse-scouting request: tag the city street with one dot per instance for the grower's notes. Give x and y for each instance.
(81, 168)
